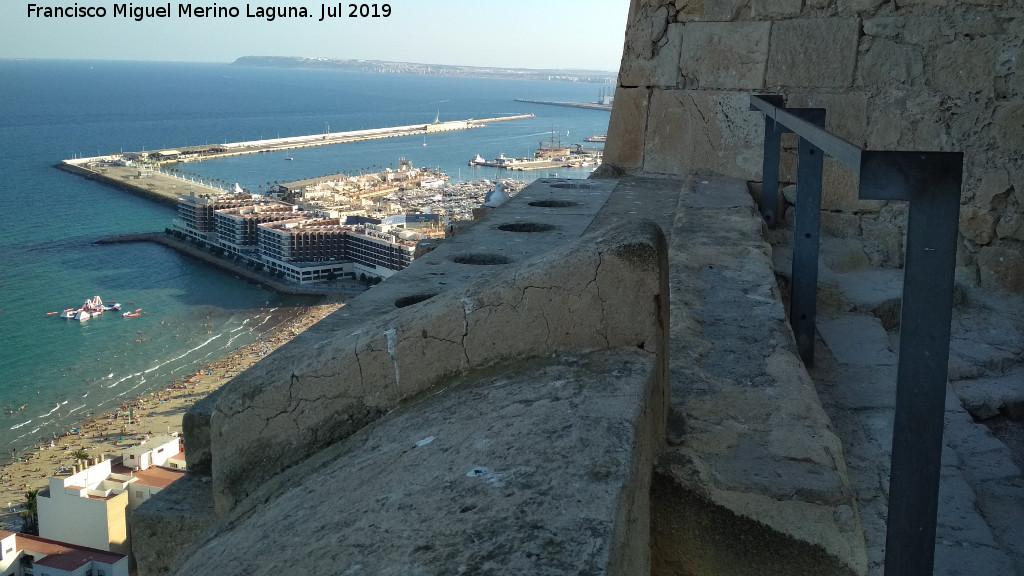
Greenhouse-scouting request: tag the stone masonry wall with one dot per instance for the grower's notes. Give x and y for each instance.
(910, 75)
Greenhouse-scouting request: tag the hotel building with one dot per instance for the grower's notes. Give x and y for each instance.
(197, 214)
(311, 250)
(301, 247)
(238, 227)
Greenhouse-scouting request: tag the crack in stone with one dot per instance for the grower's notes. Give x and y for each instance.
(362, 382)
(602, 327)
(467, 309)
(391, 335)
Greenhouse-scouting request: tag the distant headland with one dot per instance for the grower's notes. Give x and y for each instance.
(385, 67)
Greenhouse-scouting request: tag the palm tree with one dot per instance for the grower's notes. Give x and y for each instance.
(80, 455)
(30, 515)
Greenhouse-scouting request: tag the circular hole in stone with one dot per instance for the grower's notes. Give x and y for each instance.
(553, 203)
(480, 259)
(574, 186)
(413, 299)
(526, 227)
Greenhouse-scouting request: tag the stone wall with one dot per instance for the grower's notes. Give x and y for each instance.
(909, 75)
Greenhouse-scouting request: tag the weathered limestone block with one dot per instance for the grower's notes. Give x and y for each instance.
(752, 455)
(993, 183)
(627, 128)
(580, 296)
(161, 528)
(885, 26)
(710, 10)
(840, 224)
(1008, 125)
(888, 230)
(1011, 226)
(963, 66)
(1009, 81)
(666, 57)
(841, 190)
(195, 425)
(981, 24)
(820, 52)
(977, 225)
(540, 466)
(885, 127)
(843, 254)
(929, 31)
(889, 63)
(775, 8)
(858, 6)
(725, 55)
(644, 29)
(845, 114)
(1002, 267)
(709, 130)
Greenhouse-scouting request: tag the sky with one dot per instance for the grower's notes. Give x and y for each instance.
(579, 34)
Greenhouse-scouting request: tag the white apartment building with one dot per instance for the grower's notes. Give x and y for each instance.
(91, 507)
(88, 508)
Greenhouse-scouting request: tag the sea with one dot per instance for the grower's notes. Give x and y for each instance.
(55, 373)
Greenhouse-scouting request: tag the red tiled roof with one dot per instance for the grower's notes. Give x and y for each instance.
(69, 562)
(154, 476)
(158, 477)
(61, 555)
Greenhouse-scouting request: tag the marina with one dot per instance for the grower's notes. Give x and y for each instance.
(141, 172)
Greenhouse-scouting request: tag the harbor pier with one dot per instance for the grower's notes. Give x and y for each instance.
(139, 172)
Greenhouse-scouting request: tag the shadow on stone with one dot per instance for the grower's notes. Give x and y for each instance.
(553, 203)
(413, 299)
(526, 227)
(482, 259)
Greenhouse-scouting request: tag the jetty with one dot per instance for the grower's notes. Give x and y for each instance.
(587, 105)
(141, 173)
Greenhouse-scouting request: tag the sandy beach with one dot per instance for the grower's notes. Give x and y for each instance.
(154, 413)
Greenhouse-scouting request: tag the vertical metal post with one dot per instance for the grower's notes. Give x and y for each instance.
(930, 181)
(773, 132)
(806, 231)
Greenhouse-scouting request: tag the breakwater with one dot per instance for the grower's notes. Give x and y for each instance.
(586, 105)
(138, 172)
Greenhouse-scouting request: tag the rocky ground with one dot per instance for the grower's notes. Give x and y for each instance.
(981, 495)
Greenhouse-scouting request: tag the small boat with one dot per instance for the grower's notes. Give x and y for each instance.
(289, 158)
(135, 314)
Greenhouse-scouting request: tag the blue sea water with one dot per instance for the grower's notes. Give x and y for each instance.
(54, 372)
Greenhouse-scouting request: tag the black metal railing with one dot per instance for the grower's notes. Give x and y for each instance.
(930, 182)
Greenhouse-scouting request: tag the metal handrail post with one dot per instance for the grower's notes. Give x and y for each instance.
(930, 182)
(772, 150)
(806, 239)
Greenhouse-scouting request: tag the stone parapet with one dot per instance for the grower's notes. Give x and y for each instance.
(476, 366)
(752, 456)
(534, 467)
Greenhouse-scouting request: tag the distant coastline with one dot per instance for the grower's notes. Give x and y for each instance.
(386, 67)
